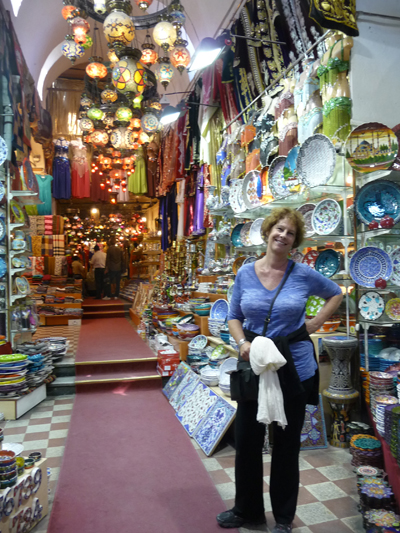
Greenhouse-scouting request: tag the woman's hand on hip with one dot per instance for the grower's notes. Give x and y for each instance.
(312, 325)
(245, 351)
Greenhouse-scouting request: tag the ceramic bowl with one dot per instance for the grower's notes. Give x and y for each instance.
(29, 462)
(6, 457)
(226, 389)
(329, 326)
(20, 462)
(9, 475)
(202, 312)
(36, 456)
(8, 483)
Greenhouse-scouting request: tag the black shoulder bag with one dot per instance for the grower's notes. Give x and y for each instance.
(244, 382)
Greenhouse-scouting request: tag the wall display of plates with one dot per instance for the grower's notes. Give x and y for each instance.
(238, 262)
(3, 150)
(326, 216)
(297, 257)
(370, 147)
(236, 198)
(310, 258)
(327, 263)
(214, 426)
(255, 232)
(314, 305)
(22, 285)
(395, 259)
(219, 310)
(291, 178)
(251, 259)
(371, 305)
(3, 230)
(2, 190)
(230, 292)
(192, 413)
(276, 180)
(251, 185)
(17, 211)
(3, 267)
(369, 264)
(376, 199)
(235, 235)
(307, 210)
(175, 379)
(392, 309)
(245, 234)
(316, 160)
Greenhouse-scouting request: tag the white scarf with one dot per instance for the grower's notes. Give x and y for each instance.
(265, 360)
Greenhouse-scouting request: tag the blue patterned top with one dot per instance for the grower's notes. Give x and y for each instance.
(251, 301)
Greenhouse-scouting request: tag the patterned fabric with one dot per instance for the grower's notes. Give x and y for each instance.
(58, 265)
(47, 245)
(48, 225)
(58, 245)
(33, 225)
(49, 265)
(335, 15)
(37, 266)
(40, 225)
(37, 245)
(58, 225)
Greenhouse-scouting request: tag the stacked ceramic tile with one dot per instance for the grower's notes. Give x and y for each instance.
(388, 423)
(380, 383)
(379, 519)
(380, 403)
(375, 493)
(366, 450)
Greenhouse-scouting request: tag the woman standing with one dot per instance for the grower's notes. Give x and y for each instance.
(255, 287)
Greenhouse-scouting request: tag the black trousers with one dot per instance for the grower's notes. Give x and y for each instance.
(99, 280)
(115, 277)
(284, 479)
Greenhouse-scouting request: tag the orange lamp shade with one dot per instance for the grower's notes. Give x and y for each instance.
(96, 70)
(80, 27)
(149, 57)
(67, 11)
(180, 58)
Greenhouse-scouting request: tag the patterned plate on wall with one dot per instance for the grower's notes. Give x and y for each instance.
(316, 160)
(251, 182)
(314, 305)
(326, 216)
(392, 309)
(17, 211)
(245, 234)
(369, 264)
(276, 180)
(328, 263)
(371, 305)
(395, 259)
(310, 258)
(235, 235)
(255, 232)
(3, 150)
(307, 210)
(292, 180)
(236, 197)
(376, 199)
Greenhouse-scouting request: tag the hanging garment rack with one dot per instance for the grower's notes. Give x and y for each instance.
(282, 75)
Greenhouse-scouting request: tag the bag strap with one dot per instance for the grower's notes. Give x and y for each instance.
(268, 317)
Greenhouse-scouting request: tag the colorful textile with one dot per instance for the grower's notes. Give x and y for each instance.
(37, 266)
(37, 245)
(40, 225)
(58, 225)
(58, 245)
(48, 225)
(49, 265)
(33, 225)
(313, 434)
(44, 183)
(47, 245)
(338, 15)
(58, 265)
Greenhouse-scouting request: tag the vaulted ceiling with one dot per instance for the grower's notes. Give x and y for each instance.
(41, 29)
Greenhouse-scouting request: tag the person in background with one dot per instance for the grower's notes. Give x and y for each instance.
(98, 263)
(114, 265)
(79, 272)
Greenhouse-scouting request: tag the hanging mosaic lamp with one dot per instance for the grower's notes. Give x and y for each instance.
(164, 34)
(176, 15)
(68, 12)
(86, 124)
(113, 197)
(85, 101)
(135, 124)
(108, 121)
(100, 7)
(137, 101)
(88, 43)
(96, 69)
(144, 138)
(121, 138)
(112, 56)
(71, 50)
(106, 163)
(123, 114)
(109, 95)
(149, 123)
(149, 55)
(99, 137)
(143, 4)
(118, 26)
(164, 71)
(95, 113)
(128, 75)
(80, 27)
(179, 55)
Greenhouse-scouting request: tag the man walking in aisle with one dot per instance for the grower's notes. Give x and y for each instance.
(98, 263)
(114, 265)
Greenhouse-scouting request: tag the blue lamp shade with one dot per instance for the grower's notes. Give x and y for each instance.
(71, 50)
(149, 123)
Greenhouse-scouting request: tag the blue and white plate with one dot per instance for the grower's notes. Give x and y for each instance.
(371, 305)
(219, 310)
(256, 238)
(2, 190)
(3, 267)
(199, 342)
(327, 263)
(230, 292)
(22, 285)
(3, 150)
(2, 229)
(235, 235)
(251, 259)
(276, 181)
(377, 199)
(369, 264)
(326, 216)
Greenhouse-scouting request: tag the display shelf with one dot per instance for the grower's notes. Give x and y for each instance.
(387, 290)
(393, 233)
(18, 252)
(16, 407)
(213, 297)
(207, 279)
(223, 211)
(227, 398)
(16, 225)
(18, 270)
(391, 175)
(153, 252)
(15, 297)
(258, 248)
(182, 347)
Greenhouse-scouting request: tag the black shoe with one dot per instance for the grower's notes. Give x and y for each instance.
(229, 519)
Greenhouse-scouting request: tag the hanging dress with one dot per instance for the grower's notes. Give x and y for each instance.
(152, 169)
(137, 183)
(80, 171)
(61, 170)
(44, 183)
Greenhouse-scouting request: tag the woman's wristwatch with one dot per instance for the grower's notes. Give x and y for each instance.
(241, 342)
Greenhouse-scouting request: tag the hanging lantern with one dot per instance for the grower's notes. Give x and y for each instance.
(71, 50)
(112, 56)
(67, 11)
(164, 71)
(100, 7)
(102, 184)
(144, 138)
(177, 18)
(128, 75)
(127, 163)
(149, 123)
(109, 95)
(106, 163)
(118, 26)
(123, 114)
(149, 55)
(86, 124)
(96, 69)
(137, 101)
(95, 113)
(79, 27)
(121, 138)
(135, 124)
(179, 55)
(164, 34)
(86, 102)
(99, 137)
(143, 4)
(108, 121)
(88, 43)
(113, 197)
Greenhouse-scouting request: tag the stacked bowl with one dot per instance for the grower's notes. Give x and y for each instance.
(217, 318)
(228, 365)
(209, 376)
(202, 309)
(187, 331)
(197, 357)
(8, 469)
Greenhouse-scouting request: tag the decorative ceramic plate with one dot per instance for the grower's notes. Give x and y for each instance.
(377, 199)
(3, 150)
(316, 160)
(292, 180)
(251, 259)
(327, 263)
(395, 259)
(236, 197)
(198, 342)
(297, 257)
(314, 305)
(18, 244)
(3, 267)
(307, 210)
(238, 263)
(326, 216)
(2, 190)
(16, 262)
(371, 305)
(22, 285)
(368, 264)
(251, 182)
(245, 234)
(255, 232)
(276, 180)
(219, 310)
(310, 258)
(235, 235)
(370, 147)
(17, 211)
(230, 292)
(2, 229)
(392, 309)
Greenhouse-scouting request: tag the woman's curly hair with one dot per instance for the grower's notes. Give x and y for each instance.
(278, 214)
